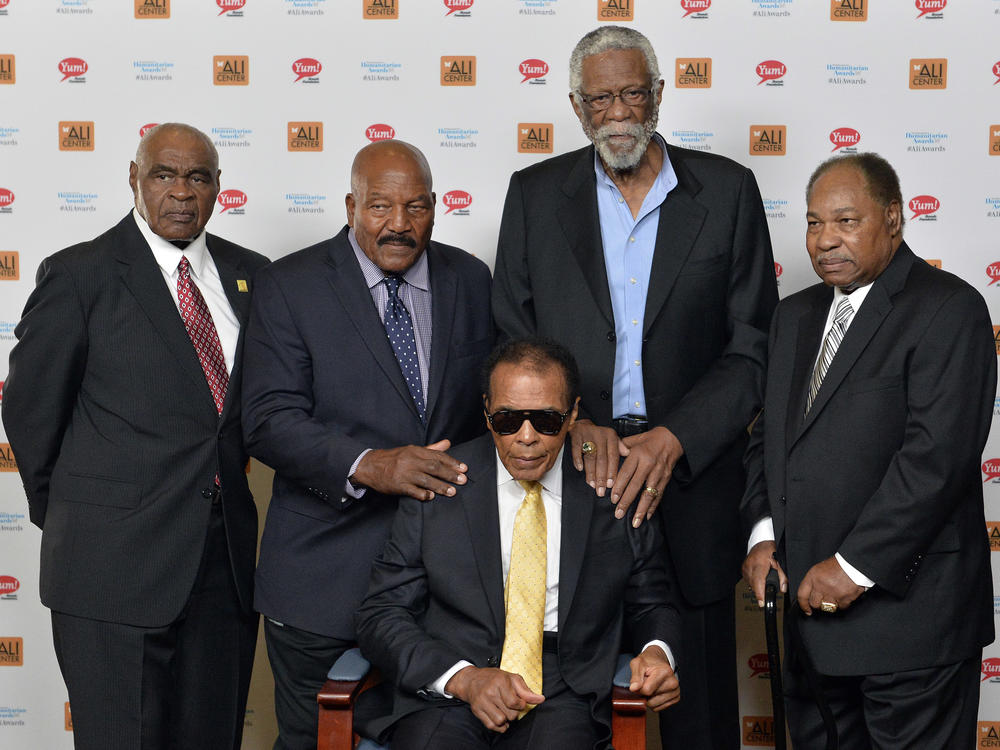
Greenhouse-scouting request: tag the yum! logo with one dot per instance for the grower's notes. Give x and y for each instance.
(72, 67)
(6, 197)
(771, 70)
(991, 669)
(535, 70)
(996, 72)
(307, 67)
(458, 5)
(227, 6)
(933, 7)
(232, 200)
(991, 469)
(379, 132)
(697, 7)
(457, 201)
(924, 206)
(844, 137)
(146, 128)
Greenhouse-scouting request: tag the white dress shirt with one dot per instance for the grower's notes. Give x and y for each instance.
(205, 276)
(763, 530)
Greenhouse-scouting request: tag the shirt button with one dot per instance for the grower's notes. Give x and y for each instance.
(636, 363)
(637, 403)
(632, 280)
(611, 336)
(631, 239)
(621, 200)
(605, 395)
(635, 322)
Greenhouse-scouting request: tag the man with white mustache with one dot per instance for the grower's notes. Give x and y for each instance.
(652, 264)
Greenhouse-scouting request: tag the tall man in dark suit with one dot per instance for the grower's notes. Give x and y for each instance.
(865, 468)
(361, 351)
(501, 610)
(123, 409)
(653, 265)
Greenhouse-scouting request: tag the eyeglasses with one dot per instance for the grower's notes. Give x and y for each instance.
(629, 97)
(508, 421)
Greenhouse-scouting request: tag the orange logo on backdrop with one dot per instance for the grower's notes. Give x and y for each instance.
(11, 651)
(848, 10)
(152, 9)
(458, 71)
(996, 337)
(305, 136)
(929, 73)
(758, 731)
(372, 10)
(936, 262)
(534, 137)
(693, 73)
(9, 266)
(231, 70)
(7, 70)
(989, 734)
(994, 140)
(993, 533)
(7, 462)
(76, 136)
(768, 140)
(615, 10)
(68, 717)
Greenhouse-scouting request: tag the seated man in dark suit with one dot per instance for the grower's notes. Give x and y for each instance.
(497, 614)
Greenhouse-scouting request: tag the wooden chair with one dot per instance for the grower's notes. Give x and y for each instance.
(352, 675)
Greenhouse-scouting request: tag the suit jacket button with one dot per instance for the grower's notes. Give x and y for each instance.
(207, 493)
(781, 499)
(611, 336)
(605, 395)
(493, 661)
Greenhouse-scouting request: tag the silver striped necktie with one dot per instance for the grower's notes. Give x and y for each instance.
(841, 320)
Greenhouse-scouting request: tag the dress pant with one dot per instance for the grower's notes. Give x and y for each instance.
(176, 687)
(931, 709)
(299, 662)
(564, 721)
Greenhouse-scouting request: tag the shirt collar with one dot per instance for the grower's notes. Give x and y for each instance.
(417, 275)
(855, 298)
(551, 481)
(666, 179)
(168, 256)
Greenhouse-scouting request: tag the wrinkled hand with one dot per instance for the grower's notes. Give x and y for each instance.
(756, 566)
(601, 466)
(495, 697)
(411, 470)
(827, 582)
(653, 677)
(649, 462)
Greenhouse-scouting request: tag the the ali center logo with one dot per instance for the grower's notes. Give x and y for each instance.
(697, 9)
(152, 9)
(7, 460)
(771, 72)
(380, 132)
(8, 587)
(458, 8)
(73, 69)
(994, 144)
(929, 73)
(232, 202)
(458, 71)
(374, 10)
(6, 201)
(146, 128)
(10, 270)
(758, 731)
(993, 535)
(693, 73)
(457, 202)
(768, 140)
(11, 651)
(849, 10)
(307, 70)
(996, 343)
(989, 734)
(534, 138)
(8, 70)
(232, 8)
(534, 70)
(932, 9)
(231, 70)
(615, 10)
(924, 207)
(845, 140)
(76, 136)
(305, 136)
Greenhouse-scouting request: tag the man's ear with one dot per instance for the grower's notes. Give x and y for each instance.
(349, 204)
(894, 217)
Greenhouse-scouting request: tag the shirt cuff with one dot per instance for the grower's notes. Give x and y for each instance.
(349, 488)
(437, 686)
(859, 578)
(666, 650)
(763, 531)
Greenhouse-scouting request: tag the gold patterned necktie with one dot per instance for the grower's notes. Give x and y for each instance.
(841, 320)
(525, 592)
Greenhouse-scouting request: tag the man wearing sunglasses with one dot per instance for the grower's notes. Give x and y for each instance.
(500, 611)
(652, 264)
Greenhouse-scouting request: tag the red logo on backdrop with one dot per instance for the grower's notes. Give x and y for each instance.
(758, 664)
(453, 5)
(146, 128)
(379, 132)
(991, 468)
(456, 199)
(4, 3)
(72, 66)
(996, 72)
(993, 271)
(8, 585)
(1, 391)
(695, 6)
(929, 6)
(777, 269)
(991, 668)
(924, 205)
(844, 137)
(228, 5)
(305, 67)
(232, 199)
(533, 68)
(6, 197)
(770, 70)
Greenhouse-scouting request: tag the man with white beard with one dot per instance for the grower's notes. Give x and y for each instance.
(652, 264)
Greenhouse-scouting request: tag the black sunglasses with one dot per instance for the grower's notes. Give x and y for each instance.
(508, 421)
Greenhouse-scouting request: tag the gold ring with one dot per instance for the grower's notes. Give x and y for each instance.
(652, 491)
(588, 447)
(829, 607)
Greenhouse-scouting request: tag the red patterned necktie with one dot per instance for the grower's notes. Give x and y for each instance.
(201, 329)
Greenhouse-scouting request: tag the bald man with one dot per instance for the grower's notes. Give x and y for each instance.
(363, 359)
(123, 408)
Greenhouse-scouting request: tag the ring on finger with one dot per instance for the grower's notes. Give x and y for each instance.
(652, 491)
(828, 607)
(588, 447)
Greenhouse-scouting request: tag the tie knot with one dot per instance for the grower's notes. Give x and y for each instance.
(531, 488)
(393, 283)
(844, 311)
(184, 267)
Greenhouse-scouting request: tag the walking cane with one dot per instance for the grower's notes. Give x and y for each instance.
(773, 656)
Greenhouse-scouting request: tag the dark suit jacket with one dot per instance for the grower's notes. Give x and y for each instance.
(711, 295)
(885, 467)
(436, 594)
(116, 434)
(323, 385)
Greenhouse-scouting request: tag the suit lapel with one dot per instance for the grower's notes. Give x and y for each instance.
(577, 508)
(444, 283)
(231, 270)
(348, 282)
(810, 329)
(479, 502)
(580, 222)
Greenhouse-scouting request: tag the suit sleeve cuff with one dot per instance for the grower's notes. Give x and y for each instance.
(437, 687)
(763, 531)
(859, 578)
(666, 650)
(349, 489)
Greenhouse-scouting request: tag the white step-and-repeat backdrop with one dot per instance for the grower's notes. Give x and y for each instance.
(290, 89)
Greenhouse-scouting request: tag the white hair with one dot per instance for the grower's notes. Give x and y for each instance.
(605, 38)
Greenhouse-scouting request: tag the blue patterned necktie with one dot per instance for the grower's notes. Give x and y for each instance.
(399, 329)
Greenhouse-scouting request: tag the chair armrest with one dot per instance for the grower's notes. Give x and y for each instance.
(349, 676)
(628, 710)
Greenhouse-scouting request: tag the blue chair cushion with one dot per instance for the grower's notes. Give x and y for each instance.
(351, 666)
(623, 673)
